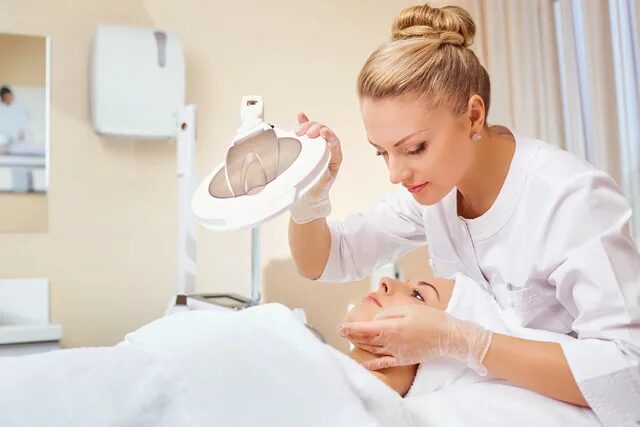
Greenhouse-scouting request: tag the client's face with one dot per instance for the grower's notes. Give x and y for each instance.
(434, 292)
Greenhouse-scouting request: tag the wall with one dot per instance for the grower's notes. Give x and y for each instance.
(23, 60)
(110, 248)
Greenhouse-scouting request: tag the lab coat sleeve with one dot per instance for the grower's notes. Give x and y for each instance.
(596, 273)
(364, 241)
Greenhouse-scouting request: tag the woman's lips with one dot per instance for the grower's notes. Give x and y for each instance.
(372, 299)
(417, 188)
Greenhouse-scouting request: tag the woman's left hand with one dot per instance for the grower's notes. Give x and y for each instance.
(407, 335)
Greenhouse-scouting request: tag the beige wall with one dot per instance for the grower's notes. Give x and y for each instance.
(110, 249)
(23, 60)
(23, 213)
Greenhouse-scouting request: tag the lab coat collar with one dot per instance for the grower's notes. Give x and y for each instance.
(498, 215)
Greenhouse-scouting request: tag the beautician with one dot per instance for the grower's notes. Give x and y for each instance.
(543, 232)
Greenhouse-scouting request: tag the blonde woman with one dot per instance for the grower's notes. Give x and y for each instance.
(542, 231)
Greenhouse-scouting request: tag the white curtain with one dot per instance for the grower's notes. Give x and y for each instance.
(625, 31)
(515, 41)
(568, 72)
(600, 69)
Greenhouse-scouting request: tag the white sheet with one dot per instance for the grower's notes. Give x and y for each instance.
(97, 387)
(258, 367)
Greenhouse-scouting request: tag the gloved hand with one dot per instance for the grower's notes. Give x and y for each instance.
(315, 202)
(411, 334)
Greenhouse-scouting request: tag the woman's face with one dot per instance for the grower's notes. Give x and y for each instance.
(419, 145)
(434, 292)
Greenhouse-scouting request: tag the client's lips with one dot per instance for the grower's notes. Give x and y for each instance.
(373, 299)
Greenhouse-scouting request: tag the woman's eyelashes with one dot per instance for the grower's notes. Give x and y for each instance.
(417, 295)
(417, 151)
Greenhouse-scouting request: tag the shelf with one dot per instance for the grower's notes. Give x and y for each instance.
(17, 334)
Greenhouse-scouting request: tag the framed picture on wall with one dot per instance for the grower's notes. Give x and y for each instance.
(24, 93)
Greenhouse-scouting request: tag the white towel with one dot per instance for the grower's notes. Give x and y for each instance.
(446, 392)
(472, 303)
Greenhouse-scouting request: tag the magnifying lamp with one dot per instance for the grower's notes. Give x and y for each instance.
(265, 171)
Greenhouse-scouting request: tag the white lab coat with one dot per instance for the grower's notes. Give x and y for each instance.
(14, 118)
(553, 248)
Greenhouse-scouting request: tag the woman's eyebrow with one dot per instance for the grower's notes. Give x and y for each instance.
(423, 283)
(402, 140)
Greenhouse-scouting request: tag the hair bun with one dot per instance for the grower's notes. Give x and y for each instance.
(449, 25)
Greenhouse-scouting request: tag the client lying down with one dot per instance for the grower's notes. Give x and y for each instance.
(262, 366)
(467, 302)
(435, 293)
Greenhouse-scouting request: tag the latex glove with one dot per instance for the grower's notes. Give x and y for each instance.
(315, 202)
(408, 335)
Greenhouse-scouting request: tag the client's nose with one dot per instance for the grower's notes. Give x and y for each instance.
(388, 285)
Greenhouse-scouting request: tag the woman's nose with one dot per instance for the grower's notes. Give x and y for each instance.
(398, 173)
(387, 285)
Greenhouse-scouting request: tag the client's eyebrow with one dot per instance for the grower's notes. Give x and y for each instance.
(423, 283)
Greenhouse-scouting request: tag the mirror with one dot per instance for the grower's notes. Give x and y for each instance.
(24, 132)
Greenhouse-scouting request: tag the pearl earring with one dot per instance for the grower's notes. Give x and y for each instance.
(476, 137)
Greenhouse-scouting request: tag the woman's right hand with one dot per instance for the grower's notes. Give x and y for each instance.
(313, 130)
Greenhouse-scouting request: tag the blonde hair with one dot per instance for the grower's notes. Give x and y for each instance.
(429, 56)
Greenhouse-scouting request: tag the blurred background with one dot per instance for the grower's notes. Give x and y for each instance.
(98, 218)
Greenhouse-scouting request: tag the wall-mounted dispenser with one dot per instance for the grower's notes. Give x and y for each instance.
(137, 82)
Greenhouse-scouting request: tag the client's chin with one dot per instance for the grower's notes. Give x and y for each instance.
(362, 313)
(399, 378)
